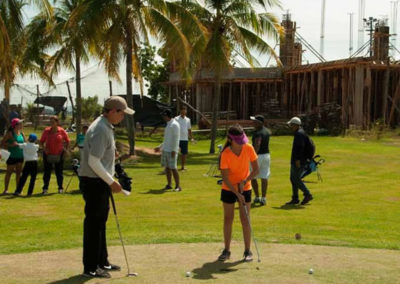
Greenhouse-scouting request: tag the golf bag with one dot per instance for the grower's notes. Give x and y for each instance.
(124, 180)
(75, 167)
(312, 166)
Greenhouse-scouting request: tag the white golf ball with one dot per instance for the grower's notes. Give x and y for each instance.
(311, 271)
(188, 274)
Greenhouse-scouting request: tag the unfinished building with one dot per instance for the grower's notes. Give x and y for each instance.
(365, 89)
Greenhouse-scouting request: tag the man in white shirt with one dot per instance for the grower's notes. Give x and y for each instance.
(185, 134)
(170, 147)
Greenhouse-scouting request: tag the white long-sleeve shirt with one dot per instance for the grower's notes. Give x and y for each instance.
(30, 151)
(171, 136)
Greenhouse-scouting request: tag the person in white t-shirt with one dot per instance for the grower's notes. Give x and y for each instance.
(185, 134)
(169, 148)
(30, 150)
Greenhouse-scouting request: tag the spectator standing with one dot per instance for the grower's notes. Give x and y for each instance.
(260, 142)
(185, 134)
(298, 163)
(11, 140)
(30, 151)
(170, 147)
(55, 142)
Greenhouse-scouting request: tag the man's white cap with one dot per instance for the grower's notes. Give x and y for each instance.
(294, 120)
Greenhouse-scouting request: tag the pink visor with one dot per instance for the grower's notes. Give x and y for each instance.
(15, 122)
(239, 139)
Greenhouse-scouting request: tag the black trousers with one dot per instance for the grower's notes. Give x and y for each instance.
(96, 194)
(59, 167)
(30, 169)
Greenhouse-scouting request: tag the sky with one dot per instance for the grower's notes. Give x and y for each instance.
(307, 14)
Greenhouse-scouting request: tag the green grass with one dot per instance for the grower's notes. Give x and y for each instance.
(356, 205)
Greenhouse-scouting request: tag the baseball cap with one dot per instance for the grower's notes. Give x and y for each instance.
(32, 137)
(258, 117)
(294, 120)
(15, 122)
(166, 112)
(118, 103)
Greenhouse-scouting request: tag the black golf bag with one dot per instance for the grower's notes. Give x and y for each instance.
(124, 180)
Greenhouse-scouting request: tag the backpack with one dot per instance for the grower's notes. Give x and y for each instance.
(309, 148)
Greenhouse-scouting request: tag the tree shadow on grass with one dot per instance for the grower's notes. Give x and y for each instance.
(208, 269)
(290, 207)
(76, 279)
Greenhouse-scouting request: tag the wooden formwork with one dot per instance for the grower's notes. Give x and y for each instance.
(366, 90)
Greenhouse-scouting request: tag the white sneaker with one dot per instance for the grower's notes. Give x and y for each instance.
(257, 200)
(263, 201)
(177, 189)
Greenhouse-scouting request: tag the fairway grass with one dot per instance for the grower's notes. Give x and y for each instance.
(168, 263)
(356, 205)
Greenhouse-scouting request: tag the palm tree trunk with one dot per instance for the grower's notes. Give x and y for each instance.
(215, 112)
(7, 88)
(130, 123)
(78, 93)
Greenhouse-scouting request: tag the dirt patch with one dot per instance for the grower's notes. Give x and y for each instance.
(169, 263)
(123, 149)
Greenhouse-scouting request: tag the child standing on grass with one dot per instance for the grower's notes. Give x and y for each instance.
(30, 150)
(235, 161)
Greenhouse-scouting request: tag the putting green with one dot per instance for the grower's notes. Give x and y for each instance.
(168, 263)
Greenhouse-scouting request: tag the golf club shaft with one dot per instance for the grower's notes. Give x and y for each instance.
(73, 174)
(119, 231)
(251, 231)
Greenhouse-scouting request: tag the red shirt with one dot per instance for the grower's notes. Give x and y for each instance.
(54, 141)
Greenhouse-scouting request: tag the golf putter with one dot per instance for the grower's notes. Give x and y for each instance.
(251, 229)
(130, 274)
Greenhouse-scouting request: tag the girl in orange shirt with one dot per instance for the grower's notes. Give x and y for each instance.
(235, 162)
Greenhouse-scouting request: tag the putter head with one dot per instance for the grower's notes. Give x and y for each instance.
(132, 274)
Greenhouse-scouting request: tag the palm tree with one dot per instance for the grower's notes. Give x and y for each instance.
(233, 27)
(12, 39)
(71, 40)
(125, 25)
(11, 27)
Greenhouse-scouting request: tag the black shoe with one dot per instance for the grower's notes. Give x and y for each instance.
(293, 202)
(111, 267)
(225, 255)
(307, 199)
(98, 273)
(44, 191)
(247, 256)
(17, 193)
(167, 187)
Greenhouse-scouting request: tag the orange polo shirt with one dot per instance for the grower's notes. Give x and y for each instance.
(238, 166)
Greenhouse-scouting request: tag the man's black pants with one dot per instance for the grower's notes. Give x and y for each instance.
(30, 168)
(96, 194)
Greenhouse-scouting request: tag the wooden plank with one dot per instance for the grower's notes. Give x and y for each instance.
(359, 96)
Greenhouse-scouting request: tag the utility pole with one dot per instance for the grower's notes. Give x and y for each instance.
(351, 34)
(323, 13)
(370, 28)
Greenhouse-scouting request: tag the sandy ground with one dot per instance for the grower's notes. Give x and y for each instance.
(168, 263)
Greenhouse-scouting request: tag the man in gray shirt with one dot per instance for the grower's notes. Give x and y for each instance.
(96, 183)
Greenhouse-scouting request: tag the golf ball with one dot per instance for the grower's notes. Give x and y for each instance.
(311, 271)
(188, 274)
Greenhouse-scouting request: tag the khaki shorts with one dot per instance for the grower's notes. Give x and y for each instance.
(167, 161)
